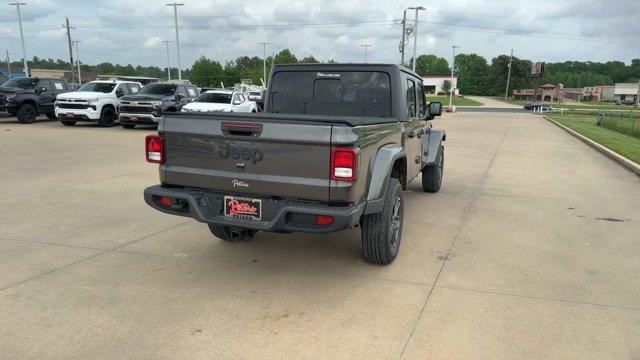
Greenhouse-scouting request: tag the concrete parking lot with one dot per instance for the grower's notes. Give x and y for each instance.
(531, 250)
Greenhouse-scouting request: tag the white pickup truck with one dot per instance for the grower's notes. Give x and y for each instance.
(96, 101)
(221, 100)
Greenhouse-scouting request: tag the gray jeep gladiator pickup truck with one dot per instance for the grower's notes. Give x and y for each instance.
(334, 149)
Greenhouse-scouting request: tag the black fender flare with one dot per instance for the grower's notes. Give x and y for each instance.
(431, 145)
(381, 168)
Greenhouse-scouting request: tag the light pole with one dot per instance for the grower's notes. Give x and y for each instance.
(415, 35)
(24, 52)
(264, 62)
(404, 30)
(8, 65)
(506, 92)
(168, 62)
(75, 42)
(175, 17)
(365, 46)
(453, 63)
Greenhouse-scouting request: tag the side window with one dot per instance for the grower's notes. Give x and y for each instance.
(181, 91)
(124, 89)
(44, 84)
(58, 85)
(422, 108)
(192, 92)
(242, 97)
(411, 98)
(133, 88)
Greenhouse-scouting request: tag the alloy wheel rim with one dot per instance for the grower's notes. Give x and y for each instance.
(396, 222)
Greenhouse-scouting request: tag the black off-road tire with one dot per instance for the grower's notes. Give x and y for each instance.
(67, 122)
(432, 174)
(227, 233)
(128, 126)
(107, 117)
(382, 231)
(27, 114)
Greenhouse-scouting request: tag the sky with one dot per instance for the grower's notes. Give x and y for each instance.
(131, 32)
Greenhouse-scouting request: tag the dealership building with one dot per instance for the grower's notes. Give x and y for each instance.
(433, 84)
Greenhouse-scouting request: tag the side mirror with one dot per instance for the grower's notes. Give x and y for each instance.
(237, 102)
(41, 90)
(179, 96)
(119, 93)
(435, 108)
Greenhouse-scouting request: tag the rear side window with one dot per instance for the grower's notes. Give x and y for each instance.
(411, 98)
(339, 93)
(58, 85)
(422, 109)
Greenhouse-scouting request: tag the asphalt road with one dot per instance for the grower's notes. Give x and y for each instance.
(530, 251)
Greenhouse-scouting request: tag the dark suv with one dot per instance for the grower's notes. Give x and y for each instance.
(148, 105)
(29, 97)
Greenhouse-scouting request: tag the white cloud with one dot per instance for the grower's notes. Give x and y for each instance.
(152, 42)
(342, 40)
(431, 41)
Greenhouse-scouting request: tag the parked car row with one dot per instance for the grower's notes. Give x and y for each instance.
(106, 102)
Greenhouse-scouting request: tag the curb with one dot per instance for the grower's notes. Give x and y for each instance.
(635, 168)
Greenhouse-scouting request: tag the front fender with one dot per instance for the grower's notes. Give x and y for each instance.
(380, 174)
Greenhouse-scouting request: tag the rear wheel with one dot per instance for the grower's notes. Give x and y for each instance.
(27, 114)
(227, 233)
(67, 122)
(432, 174)
(107, 117)
(128, 126)
(382, 231)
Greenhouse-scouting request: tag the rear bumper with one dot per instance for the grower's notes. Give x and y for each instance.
(277, 215)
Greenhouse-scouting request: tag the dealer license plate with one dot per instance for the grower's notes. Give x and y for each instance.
(242, 208)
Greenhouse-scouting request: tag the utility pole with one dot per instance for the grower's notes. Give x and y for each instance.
(66, 25)
(264, 62)
(75, 42)
(168, 62)
(453, 63)
(365, 46)
(24, 52)
(8, 64)
(175, 17)
(506, 92)
(415, 35)
(404, 31)
(638, 95)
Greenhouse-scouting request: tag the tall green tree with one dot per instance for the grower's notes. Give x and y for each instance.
(285, 57)
(432, 65)
(206, 73)
(472, 71)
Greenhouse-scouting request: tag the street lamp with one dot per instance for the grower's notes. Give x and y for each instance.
(453, 63)
(264, 62)
(365, 46)
(175, 18)
(168, 62)
(24, 52)
(415, 35)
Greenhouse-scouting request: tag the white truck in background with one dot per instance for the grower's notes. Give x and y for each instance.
(95, 101)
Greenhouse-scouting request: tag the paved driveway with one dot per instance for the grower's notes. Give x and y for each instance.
(492, 103)
(531, 250)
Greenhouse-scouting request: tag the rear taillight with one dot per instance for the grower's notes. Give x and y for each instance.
(154, 148)
(344, 162)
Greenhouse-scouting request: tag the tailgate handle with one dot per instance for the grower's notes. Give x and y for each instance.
(240, 129)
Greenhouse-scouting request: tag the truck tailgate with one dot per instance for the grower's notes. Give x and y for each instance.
(242, 155)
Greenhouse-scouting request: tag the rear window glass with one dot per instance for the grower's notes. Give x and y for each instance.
(214, 98)
(340, 93)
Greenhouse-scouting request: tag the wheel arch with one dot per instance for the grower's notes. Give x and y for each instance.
(390, 161)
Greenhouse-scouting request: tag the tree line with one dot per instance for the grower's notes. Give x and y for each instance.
(476, 76)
